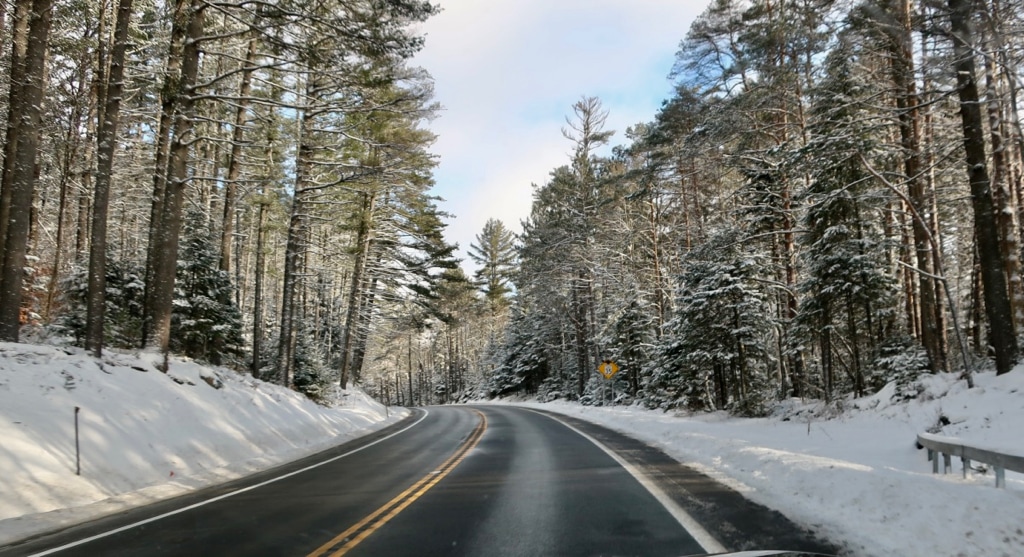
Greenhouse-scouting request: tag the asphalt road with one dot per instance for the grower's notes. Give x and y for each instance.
(487, 481)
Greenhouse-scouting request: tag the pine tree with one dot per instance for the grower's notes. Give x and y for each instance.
(125, 293)
(494, 251)
(29, 46)
(1002, 335)
(205, 324)
(848, 291)
(632, 342)
(712, 356)
(313, 376)
(525, 365)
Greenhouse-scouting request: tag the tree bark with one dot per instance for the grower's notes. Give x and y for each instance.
(15, 108)
(579, 318)
(297, 225)
(22, 143)
(907, 104)
(169, 230)
(364, 318)
(106, 139)
(997, 303)
(257, 310)
(1001, 176)
(363, 238)
(171, 95)
(235, 159)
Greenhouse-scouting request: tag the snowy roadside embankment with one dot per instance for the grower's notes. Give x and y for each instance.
(858, 478)
(145, 435)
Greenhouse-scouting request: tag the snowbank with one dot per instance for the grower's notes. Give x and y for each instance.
(145, 435)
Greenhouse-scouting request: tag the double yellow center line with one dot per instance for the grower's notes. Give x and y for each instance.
(345, 541)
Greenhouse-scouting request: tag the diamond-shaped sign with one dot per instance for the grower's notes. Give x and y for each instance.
(608, 368)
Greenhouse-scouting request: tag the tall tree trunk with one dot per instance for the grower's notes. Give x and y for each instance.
(907, 104)
(828, 373)
(298, 232)
(71, 146)
(928, 158)
(1001, 175)
(171, 95)
(796, 358)
(851, 325)
(169, 231)
(997, 303)
(22, 142)
(85, 174)
(579, 318)
(15, 109)
(408, 366)
(297, 227)
(910, 290)
(363, 238)
(235, 159)
(660, 295)
(977, 306)
(106, 138)
(69, 160)
(1008, 72)
(257, 310)
(364, 316)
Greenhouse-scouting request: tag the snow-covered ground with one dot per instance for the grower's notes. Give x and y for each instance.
(145, 435)
(855, 476)
(858, 477)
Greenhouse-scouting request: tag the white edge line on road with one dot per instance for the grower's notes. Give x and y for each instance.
(696, 531)
(226, 495)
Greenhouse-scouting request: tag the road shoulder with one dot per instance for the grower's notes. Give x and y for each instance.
(123, 510)
(738, 523)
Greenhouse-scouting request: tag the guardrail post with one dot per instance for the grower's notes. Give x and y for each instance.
(948, 448)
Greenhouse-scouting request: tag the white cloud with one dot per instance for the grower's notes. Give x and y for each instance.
(507, 73)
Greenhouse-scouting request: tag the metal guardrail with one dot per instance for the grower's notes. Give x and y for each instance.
(948, 448)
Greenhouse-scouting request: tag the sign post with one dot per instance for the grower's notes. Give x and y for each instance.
(608, 369)
(78, 453)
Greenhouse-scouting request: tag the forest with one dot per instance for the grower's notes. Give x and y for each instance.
(831, 201)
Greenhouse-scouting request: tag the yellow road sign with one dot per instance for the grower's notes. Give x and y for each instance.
(608, 368)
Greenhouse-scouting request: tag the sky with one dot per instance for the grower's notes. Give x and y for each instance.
(856, 477)
(507, 73)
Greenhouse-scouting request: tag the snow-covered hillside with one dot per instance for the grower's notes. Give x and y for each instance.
(855, 475)
(145, 435)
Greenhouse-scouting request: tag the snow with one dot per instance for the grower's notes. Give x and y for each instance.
(145, 435)
(854, 473)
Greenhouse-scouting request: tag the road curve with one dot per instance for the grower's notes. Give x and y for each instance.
(533, 487)
(460, 481)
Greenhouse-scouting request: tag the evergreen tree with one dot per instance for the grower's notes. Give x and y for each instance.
(206, 324)
(847, 289)
(313, 376)
(125, 293)
(713, 355)
(525, 365)
(494, 251)
(631, 342)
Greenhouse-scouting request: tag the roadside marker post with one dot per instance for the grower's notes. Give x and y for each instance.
(78, 457)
